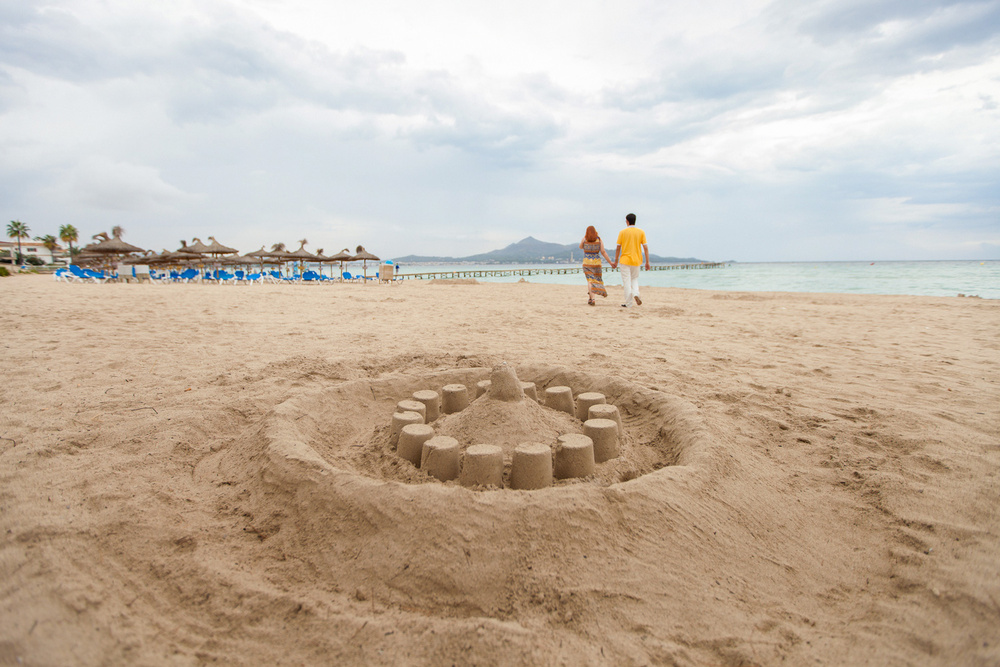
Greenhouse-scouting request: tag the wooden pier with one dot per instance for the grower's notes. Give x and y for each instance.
(537, 271)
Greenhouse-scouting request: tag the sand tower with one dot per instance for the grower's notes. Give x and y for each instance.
(504, 385)
(452, 436)
(505, 416)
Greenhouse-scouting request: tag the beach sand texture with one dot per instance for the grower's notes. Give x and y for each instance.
(199, 473)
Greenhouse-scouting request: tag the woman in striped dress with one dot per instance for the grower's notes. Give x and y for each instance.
(593, 250)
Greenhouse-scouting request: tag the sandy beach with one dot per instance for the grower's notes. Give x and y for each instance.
(198, 474)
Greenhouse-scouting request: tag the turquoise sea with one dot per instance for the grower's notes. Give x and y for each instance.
(926, 278)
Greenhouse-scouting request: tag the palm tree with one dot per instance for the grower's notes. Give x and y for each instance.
(117, 231)
(18, 229)
(50, 242)
(69, 234)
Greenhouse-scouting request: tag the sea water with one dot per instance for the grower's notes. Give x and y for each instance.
(925, 278)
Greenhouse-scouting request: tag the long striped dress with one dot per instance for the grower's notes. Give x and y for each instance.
(592, 267)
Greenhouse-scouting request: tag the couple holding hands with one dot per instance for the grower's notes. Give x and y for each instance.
(629, 253)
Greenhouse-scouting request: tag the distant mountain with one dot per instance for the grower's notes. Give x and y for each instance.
(531, 251)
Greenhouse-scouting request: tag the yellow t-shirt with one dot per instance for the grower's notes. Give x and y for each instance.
(631, 239)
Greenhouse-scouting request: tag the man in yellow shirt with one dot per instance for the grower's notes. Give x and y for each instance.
(631, 248)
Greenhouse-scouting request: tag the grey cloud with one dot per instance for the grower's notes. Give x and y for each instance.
(878, 40)
(501, 139)
(829, 55)
(120, 186)
(9, 92)
(47, 41)
(830, 20)
(234, 67)
(830, 46)
(234, 56)
(716, 77)
(51, 41)
(283, 133)
(541, 87)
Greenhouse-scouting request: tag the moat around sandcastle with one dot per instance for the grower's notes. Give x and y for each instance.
(491, 428)
(501, 433)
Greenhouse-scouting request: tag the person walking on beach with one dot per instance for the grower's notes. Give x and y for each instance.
(630, 250)
(593, 249)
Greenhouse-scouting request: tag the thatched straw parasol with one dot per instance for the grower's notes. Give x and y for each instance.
(198, 247)
(258, 256)
(363, 256)
(189, 252)
(215, 248)
(148, 257)
(323, 259)
(302, 255)
(278, 253)
(167, 258)
(110, 248)
(84, 258)
(237, 260)
(155, 259)
(342, 256)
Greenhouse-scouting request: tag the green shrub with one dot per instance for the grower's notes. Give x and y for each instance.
(34, 261)
(4, 272)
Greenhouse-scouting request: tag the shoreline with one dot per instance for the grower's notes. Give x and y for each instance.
(965, 278)
(842, 510)
(578, 278)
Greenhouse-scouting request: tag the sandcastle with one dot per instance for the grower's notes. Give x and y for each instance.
(472, 435)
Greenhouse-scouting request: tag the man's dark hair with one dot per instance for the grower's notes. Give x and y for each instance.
(630, 218)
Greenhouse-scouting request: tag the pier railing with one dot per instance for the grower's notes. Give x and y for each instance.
(537, 271)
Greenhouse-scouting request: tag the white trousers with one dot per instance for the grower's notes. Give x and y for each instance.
(630, 281)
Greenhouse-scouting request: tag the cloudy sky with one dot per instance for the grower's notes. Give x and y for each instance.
(751, 130)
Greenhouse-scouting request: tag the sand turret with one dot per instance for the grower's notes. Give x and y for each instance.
(504, 385)
(503, 415)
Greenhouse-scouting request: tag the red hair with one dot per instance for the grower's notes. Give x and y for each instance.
(591, 235)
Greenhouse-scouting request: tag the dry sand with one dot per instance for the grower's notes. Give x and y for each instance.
(196, 474)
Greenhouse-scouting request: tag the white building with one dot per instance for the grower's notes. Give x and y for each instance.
(30, 249)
